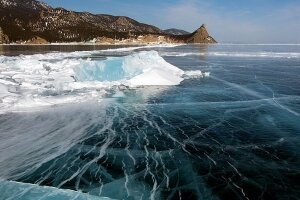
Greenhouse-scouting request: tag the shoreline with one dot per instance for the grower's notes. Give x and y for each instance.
(27, 49)
(143, 44)
(95, 44)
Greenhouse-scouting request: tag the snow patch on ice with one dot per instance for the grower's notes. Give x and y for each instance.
(195, 74)
(176, 54)
(125, 49)
(256, 54)
(288, 55)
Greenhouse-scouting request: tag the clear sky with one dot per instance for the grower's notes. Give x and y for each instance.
(237, 21)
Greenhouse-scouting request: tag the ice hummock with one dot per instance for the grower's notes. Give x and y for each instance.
(57, 78)
(143, 68)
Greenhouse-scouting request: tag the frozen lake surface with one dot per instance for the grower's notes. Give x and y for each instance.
(164, 122)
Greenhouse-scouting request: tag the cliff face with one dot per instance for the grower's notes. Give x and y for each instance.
(27, 20)
(200, 36)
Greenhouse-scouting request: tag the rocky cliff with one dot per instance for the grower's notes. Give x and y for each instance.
(27, 20)
(200, 36)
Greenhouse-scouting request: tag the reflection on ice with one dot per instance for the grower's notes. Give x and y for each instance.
(14, 190)
(142, 151)
(53, 133)
(258, 95)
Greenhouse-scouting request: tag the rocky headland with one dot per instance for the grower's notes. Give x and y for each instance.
(34, 22)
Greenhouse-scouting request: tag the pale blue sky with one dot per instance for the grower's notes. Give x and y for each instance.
(237, 21)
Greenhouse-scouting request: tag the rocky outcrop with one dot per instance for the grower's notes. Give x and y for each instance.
(3, 38)
(201, 36)
(37, 40)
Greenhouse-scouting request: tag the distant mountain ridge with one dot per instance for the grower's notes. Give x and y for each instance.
(24, 20)
(174, 31)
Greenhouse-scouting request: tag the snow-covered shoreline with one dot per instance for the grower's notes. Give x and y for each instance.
(95, 44)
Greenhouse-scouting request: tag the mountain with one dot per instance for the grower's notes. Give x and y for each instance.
(24, 19)
(34, 21)
(200, 36)
(174, 31)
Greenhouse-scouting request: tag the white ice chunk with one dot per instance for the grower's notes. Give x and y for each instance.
(138, 69)
(155, 70)
(156, 77)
